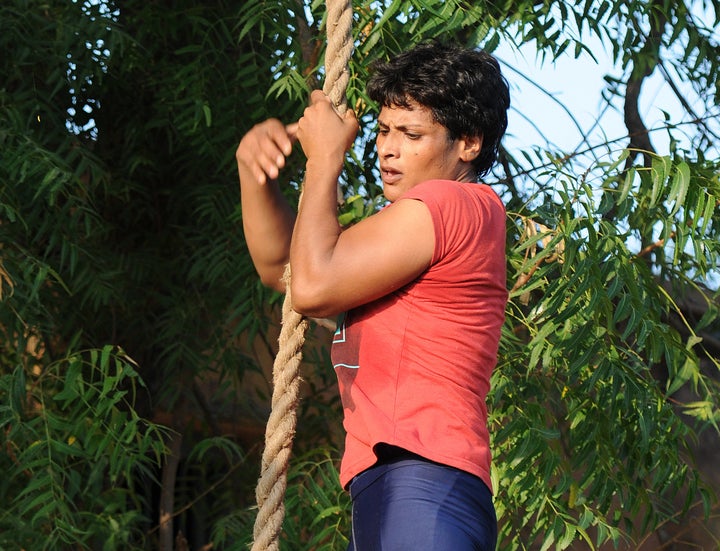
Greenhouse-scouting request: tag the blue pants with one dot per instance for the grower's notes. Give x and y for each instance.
(410, 504)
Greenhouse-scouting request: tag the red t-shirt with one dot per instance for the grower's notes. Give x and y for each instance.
(414, 366)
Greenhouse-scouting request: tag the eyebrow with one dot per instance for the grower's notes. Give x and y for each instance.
(402, 127)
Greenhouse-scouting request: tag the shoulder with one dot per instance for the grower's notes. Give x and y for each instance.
(447, 198)
(464, 216)
(449, 190)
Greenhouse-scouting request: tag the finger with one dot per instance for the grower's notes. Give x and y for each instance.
(266, 163)
(273, 148)
(260, 177)
(350, 116)
(272, 166)
(281, 141)
(318, 96)
(272, 136)
(291, 130)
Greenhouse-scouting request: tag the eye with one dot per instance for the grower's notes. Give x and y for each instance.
(411, 136)
(382, 131)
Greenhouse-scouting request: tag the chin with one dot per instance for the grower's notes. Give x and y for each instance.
(390, 196)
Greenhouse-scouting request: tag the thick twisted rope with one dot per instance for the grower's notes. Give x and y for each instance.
(338, 52)
(280, 429)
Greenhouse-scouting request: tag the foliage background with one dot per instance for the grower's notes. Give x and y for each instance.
(135, 334)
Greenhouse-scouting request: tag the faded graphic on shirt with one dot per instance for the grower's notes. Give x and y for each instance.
(345, 346)
(345, 356)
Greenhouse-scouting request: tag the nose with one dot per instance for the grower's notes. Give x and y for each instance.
(387, 145)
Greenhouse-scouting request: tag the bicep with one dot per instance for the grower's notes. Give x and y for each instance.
(373, 258)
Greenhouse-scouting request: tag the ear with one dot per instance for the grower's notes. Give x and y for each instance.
(470, 147)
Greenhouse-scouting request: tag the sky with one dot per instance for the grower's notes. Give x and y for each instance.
(577, 84)
(576, 87)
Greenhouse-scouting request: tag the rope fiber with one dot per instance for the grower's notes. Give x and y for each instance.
(280, 428)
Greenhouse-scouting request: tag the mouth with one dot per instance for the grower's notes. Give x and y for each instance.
(389, 175)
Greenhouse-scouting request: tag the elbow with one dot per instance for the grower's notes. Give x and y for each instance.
(272, 276)
(310, 300)
(273, 282)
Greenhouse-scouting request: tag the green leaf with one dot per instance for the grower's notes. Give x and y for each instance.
(679, 188)
(73, 385)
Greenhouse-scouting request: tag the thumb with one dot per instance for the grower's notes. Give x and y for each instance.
(292, 130)
(350, 116)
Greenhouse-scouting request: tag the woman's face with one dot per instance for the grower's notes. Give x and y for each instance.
(413, 148)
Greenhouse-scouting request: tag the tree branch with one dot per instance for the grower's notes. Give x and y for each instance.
(643, 65)
(167, 492)
(309, 45)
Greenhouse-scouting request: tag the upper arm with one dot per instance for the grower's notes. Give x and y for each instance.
(371, 259)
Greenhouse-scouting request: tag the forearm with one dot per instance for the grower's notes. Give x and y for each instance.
(268, 221)
(325, 138)
(315, 236)
(267, 217)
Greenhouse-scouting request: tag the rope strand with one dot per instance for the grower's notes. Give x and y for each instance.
(338, 52)
(280, 429)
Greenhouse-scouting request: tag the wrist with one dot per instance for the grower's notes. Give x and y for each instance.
(324, 168)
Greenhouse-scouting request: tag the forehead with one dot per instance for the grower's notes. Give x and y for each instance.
(413, 115)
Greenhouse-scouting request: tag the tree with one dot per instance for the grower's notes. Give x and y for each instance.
(128, 299)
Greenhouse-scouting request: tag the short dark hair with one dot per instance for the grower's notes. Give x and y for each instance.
(463, 88)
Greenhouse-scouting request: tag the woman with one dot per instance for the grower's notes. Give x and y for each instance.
(419, 287)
